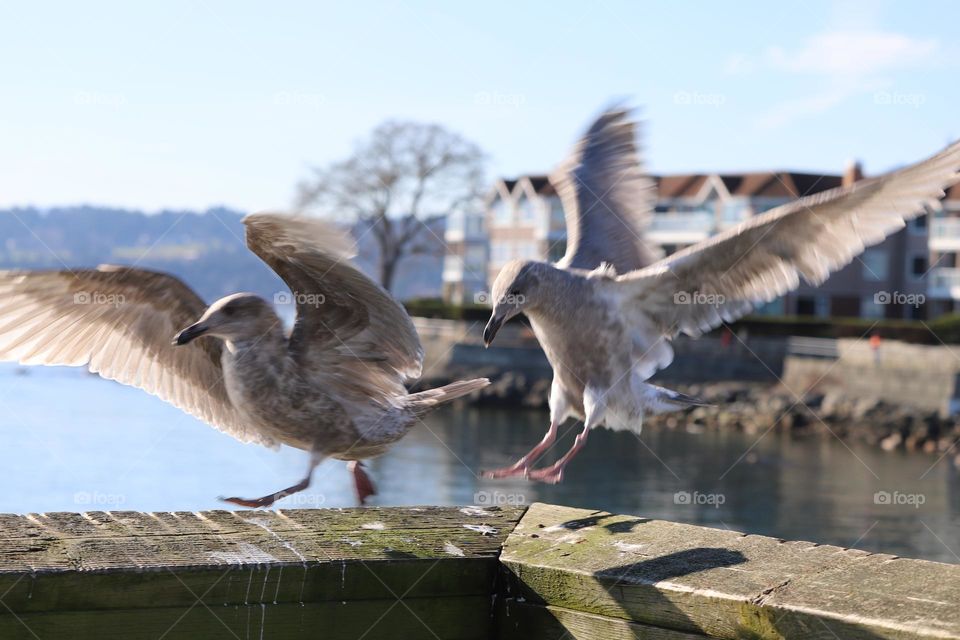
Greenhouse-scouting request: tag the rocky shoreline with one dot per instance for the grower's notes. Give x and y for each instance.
(754, 408)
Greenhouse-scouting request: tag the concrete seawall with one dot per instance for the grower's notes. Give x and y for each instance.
(923, 377)
(456, 346)
(911, 375)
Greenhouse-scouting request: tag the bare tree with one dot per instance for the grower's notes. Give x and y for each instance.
(403, 176)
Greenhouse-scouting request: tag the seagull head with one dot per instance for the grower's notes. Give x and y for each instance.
(515, 289)
(241, 316)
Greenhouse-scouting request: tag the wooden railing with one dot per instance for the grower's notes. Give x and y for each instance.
(464, 573)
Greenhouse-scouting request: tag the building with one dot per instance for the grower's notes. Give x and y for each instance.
(888, 280)
(467, 255)
(524, 220)
(913, 274)
(943, 281)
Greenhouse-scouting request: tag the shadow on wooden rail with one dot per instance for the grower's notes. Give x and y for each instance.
(449, 573)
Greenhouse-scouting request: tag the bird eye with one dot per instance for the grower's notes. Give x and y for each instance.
(227, 311)
(515, 292)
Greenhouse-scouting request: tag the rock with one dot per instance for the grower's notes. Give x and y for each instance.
(863, 407)
(814, 400)
(913, 442)
(891, 442)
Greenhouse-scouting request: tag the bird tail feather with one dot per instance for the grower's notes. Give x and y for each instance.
(425, 401)
(659, 399)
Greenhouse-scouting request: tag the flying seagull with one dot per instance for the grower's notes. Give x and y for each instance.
(333, 386)
(606, 312)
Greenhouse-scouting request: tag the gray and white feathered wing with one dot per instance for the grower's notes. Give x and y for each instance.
(118, 322)
(348, 328)
(607, 198)
(722, 278)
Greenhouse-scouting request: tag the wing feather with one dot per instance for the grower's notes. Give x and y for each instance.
(607, 198)
(118, 322)
(346, 323)
(722, 278)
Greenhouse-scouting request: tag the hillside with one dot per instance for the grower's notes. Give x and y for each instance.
(205, 249)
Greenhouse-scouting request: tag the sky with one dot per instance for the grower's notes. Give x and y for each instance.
(195, 104)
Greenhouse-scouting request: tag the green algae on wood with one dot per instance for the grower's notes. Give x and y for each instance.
(130, 574)
(722, 583)
(452, 573)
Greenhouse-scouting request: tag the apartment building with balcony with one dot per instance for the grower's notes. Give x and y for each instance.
(693, 207)
(524, 220)
(943, 280)
(913, 274)
(467, 254)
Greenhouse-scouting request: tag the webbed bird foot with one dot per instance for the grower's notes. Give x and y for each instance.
(249, 503)
(550, 475)
(362, 482)
(267, 500)
(521, 468)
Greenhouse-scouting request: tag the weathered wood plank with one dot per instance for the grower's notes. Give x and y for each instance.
(537, 622)
(722, 583)
(76, 571)
(464, 618)
(102, 540)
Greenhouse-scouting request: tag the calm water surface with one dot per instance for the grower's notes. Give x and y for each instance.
(73, 442)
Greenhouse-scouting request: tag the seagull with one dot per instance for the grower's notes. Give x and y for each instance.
(606, 313)
(332, 386)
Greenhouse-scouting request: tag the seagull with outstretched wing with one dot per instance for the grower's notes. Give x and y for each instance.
(606, 313)
(333, 386)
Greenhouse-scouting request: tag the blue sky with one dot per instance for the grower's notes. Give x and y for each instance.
(191, 104)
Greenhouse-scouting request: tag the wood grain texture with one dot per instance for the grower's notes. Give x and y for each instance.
(417, 572)
(450, 573)
(722, 583)
(537, 622)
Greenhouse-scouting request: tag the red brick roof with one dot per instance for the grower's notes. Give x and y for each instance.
(541, 185)
(758, 184)
(767, 184)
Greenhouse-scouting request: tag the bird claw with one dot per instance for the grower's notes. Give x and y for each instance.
(362, 483)
(506, 472)
(548, 476)
(258, 503)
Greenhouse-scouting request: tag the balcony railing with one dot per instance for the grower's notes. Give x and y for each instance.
(945, 282)
(945, 229)
(698, 222)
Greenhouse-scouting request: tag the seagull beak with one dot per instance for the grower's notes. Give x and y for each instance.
(188, 334)
(490, 331)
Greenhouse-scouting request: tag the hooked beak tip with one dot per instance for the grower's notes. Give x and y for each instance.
(490, 331)
(188, 334)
